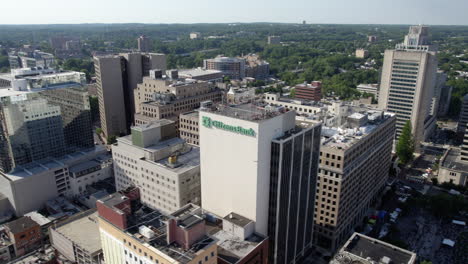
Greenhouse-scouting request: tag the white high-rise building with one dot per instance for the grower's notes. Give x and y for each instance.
(258, 163)
(408, 83)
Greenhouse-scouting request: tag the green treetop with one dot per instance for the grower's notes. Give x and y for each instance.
(405, 145)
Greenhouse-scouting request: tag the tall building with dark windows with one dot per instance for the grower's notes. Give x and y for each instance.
(258, 162)
(294, 162)
(408, 83)
(44, 113)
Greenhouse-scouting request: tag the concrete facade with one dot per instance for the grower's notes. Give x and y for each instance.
(248, 143)
(353, 171)
(164, 168)
(189, 127)
(48, 179)
(117, 77)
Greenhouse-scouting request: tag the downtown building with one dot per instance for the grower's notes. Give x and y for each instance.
(117, 76)
(133, 233)
(312, 91)
(408, 83)
(44, 113)
(258, 163)
(164, 167)
(355, 158)
(166, 97)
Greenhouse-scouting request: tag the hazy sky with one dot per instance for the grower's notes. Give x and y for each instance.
(430, 12)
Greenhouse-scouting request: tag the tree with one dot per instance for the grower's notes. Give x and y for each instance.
(98, 131)
(111, 140)
(405, 145)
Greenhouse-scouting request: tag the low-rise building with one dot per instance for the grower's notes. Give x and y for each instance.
(136, 234)
(452, 168)
(366, 250)
(195, 35)
(49, 178)
(77, 238)
(189, 127)
(256, 67)
(362, 53)
(312, 91)
(231, 67)
(131, 233)
(164, 167)
(370, 89)
(201, 74)
(273, 40)
(237, 95)
(302, 107)
(24, 235)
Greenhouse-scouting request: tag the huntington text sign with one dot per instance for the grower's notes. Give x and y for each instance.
(209, 123)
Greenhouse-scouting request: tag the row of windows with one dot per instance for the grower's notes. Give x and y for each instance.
(403, 80)
(405, 76)
(405, 68)
(400, 96)
(402, 88)
(405, 72)
(403, 84)
(406, 63)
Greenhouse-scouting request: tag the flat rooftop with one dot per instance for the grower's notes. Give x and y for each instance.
(452, 161)
(187, 159)
(44, 165)
(83, 231)
(237, 219)
(255, 112)
(197, 72)
(155, 221)
(344, 137)
(374, 250)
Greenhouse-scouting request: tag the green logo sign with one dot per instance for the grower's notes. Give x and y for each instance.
(207, 122)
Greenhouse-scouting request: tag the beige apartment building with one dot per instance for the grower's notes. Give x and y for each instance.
(189, 127)
(362, 53)
(164, 98)
(354, 163)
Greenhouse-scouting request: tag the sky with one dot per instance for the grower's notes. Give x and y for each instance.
(430, 12)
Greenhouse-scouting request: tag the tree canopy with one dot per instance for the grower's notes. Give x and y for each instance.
(405, 145)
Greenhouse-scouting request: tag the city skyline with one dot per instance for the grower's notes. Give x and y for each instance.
(429, 12)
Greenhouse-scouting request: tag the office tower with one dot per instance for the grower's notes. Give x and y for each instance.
(312, 91)
(441, 79)
(165, 168)
(463, 119)
(45, 113)
(162, 97)
(362, 53)
(258, 163)
(188, 127)
(408, 83)
(273, 40)
(144, 44)
(131, 233)
(231, 67)
(117, 78)
(256, 67)
(367, 250)
(355, 159)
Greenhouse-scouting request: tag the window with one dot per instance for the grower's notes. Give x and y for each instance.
(206, 258)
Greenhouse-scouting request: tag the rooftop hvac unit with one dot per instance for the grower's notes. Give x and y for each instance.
(146, 232)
